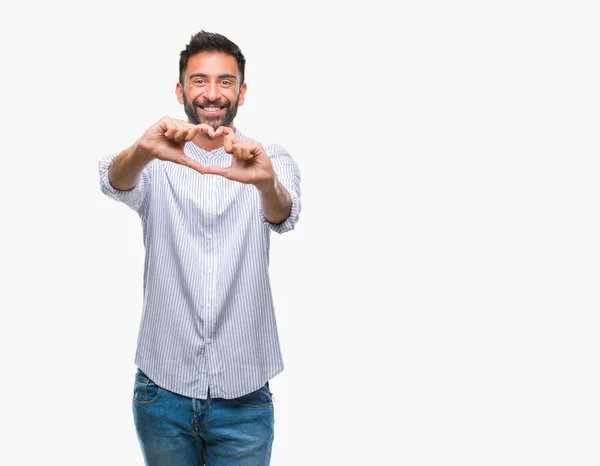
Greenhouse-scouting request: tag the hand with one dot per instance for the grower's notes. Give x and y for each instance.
(250, 163)
(166, 139)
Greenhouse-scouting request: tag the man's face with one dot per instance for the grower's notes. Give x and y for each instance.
(211, 92)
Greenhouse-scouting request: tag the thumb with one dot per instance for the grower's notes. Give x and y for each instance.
(189, 162)
(216, 170)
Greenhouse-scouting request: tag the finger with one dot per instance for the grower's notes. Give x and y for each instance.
(228, 144)
(226, 130)
(246, 153)
(180, 135)
(192, 130)
(189, 162)
(204, 128)
(169, 127)
(242, 151)
(228, 133)
(192, 133)
(164, 124)
(182, 129)
(176, 130)
(216, 170)
(236, 151)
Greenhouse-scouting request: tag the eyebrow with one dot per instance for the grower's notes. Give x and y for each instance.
(221, 76)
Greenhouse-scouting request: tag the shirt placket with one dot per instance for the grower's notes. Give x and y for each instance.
(209, 267)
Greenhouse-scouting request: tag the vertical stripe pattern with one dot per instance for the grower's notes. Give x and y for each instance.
(208, 319)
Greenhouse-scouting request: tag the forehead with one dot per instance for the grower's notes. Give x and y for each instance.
(212, 64)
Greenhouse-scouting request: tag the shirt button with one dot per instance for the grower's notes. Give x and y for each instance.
(208, 341)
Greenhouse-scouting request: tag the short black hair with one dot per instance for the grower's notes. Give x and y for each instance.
(211, 42)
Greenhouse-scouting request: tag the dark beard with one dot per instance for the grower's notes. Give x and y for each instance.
(216, 121)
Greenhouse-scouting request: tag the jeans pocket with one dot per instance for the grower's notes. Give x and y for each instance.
(145, 391)
(261, 398)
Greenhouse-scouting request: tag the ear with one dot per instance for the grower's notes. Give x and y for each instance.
(179, 92)
(242, 96)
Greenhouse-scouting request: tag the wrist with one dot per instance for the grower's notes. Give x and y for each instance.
(138, 151)
(267, 186)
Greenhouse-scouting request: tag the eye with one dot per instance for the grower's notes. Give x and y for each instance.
(226, 82)
(198, 81)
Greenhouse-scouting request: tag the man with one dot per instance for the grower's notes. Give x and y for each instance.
(208, 197)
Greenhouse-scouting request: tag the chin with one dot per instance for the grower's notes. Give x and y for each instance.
(214, 124)
(210, 122)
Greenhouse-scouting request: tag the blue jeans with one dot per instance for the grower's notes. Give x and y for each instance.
(180, 431)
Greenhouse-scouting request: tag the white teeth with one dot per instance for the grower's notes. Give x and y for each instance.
(211, 109)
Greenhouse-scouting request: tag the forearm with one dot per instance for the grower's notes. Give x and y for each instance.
(276, 202)
(126, 168)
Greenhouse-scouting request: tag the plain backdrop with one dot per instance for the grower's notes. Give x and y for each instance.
(437, 303)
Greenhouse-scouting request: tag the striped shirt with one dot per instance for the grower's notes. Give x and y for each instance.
(208, 319)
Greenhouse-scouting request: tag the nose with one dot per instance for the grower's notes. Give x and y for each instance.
(212, 91)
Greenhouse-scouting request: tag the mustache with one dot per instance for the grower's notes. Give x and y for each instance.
(212, 103)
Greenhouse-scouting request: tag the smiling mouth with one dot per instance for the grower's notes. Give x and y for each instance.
(211, 109)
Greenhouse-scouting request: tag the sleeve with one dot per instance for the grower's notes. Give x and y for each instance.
(288, 174)
(134, 197)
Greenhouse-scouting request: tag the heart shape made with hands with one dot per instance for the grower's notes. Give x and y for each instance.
(249, 164)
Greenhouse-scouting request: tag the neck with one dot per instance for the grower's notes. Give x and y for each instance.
(205, 142)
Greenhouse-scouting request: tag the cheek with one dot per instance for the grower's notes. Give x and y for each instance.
(191, 95)
(242, 96)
